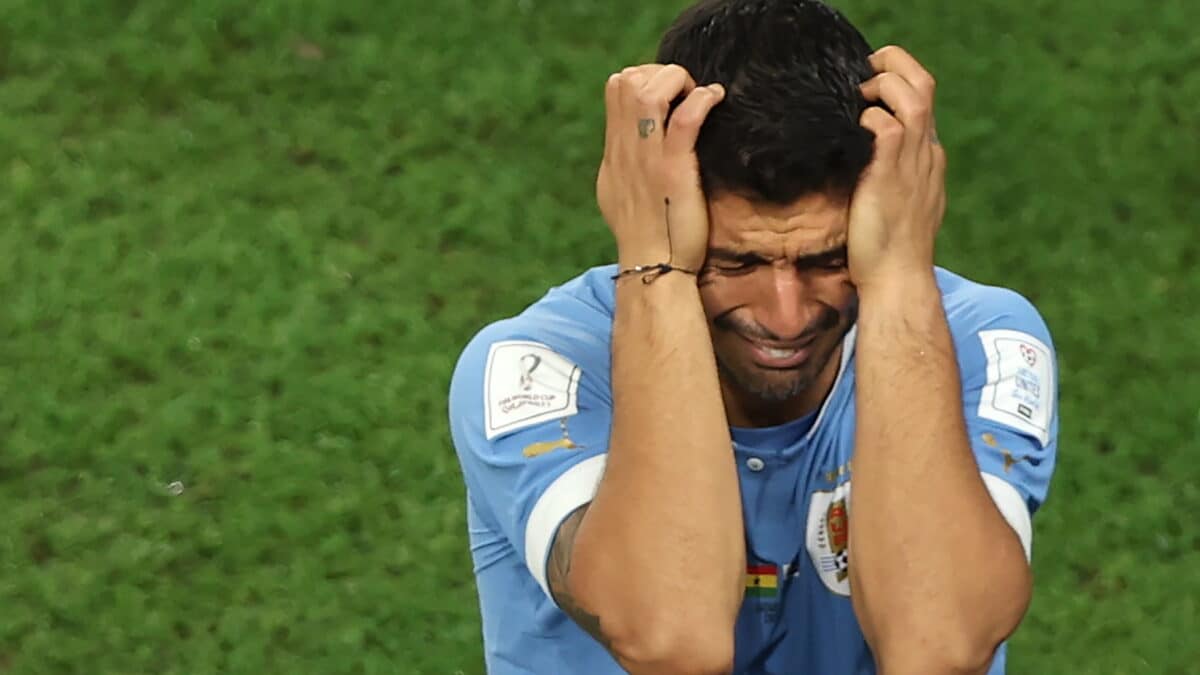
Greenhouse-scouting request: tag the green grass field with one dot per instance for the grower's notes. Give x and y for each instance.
(244, 242)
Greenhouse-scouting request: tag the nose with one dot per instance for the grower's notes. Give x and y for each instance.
(787, 310)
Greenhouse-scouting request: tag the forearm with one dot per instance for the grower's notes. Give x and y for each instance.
(663, 540)
(934, 563)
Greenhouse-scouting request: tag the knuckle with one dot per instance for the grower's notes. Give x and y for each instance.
(650, 101)
(876, 117)
(887, 128)
(689, 118)
(644, 72)
(686, 119)
(676, 70)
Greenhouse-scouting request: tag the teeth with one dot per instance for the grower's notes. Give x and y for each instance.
(779, 353)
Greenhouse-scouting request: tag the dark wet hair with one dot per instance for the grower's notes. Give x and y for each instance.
(789, 125)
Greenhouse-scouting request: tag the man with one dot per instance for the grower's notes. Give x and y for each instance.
(659, 453)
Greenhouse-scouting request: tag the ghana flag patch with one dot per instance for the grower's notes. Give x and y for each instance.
(762, 581)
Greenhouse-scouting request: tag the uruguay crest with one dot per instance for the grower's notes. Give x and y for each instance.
(828, 537)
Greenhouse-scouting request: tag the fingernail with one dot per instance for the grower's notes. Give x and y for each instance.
(717, 89)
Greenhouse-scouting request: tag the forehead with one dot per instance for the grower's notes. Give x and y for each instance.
(811, 224)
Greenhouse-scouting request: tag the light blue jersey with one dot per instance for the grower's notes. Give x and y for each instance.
(530, 409)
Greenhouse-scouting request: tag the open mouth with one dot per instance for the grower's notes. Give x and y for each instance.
(780, 356)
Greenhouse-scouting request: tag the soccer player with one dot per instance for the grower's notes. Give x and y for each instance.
(659, 454)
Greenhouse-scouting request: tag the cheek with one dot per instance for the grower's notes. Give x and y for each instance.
(830, 286)
(838, 293)
(718, 296)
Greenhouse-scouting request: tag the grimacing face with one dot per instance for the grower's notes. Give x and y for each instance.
(778, 297)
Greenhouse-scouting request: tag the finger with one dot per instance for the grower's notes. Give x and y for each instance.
(688, 118)
(893, 59)
(906, 103)
(666, 86)
(633, 79)
(612, 110)
(619, 89)
(889, 135)
(638, 76)
(670, 82)
(937, 165)
(654, 98)
(937, 179)
(646, 69)
(632, 118)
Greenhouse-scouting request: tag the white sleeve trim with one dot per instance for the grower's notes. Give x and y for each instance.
(1012, 506)
(568, 492)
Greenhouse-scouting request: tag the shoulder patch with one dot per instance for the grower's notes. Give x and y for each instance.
(1020, 389)
(527, 383)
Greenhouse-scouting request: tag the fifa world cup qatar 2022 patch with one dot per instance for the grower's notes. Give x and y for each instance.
(1020, 389)
(525, 384)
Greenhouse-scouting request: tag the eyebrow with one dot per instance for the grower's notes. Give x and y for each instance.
(818, 258)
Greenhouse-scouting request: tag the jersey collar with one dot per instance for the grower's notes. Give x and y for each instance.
(785, 438)
(847, 354)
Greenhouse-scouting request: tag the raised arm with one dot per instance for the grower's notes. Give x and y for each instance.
(653, 567)
(939, 578)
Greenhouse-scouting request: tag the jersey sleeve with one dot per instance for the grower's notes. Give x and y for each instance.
(1010, 398)
(530, 417)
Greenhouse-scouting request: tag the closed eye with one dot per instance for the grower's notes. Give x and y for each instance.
(730, 262)
(733, 262)
(733, 268)
(834, 260)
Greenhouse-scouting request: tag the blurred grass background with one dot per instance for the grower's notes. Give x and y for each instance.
(243, 243)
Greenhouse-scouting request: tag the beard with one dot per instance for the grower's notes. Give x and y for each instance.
(781, 385)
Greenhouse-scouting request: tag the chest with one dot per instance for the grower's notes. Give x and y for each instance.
(796, 508)
(797, 497)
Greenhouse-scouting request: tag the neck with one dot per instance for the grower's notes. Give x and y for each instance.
(743, 409)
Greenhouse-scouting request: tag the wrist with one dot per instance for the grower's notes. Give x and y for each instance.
(669, 292)
(899, 287)
(654, 276)
(657, 253)
(630, 261)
